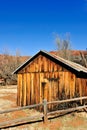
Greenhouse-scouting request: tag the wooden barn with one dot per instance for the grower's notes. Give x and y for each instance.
(47, 76)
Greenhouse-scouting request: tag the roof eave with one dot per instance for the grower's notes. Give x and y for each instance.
(63, 61)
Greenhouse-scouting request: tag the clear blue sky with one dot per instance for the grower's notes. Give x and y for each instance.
(30, 25)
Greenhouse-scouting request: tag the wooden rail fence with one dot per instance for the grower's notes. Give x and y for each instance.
(45, 115)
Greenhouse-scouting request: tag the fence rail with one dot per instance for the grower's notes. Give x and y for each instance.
(20, 108)
(45, 114)
(67, 110)
(67, 100)
(19, 121)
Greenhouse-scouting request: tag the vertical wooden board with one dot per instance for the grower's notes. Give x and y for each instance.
(56, 92)
(77, 87)
(19, 90)
(33, 66)
(67, 84)
(84, 83)
(45, 75)
(25, 69)
(50, 91)
(34, 84)
(42, 64)
(52, 85)
(55, 75)
(55, 67)
(32, 88)
(41, 79)
(51, 66)
(86, 87)
(24, 89)
(28, 68)
(36, 88)
(25, 93)
(55, 89)
(61, 84)
(74, 80)
(28, 89)
(45, 64)
(50, 75)
(80, 87)
(38, 84)
(39, 64)
(45, 90)
(36, 65)
(59, 68)
(72, 85)
(35, 69)
(58, 84)
(40, 88)
(83, 87)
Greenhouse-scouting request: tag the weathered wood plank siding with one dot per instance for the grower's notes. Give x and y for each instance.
(43, 78)
(28, 89)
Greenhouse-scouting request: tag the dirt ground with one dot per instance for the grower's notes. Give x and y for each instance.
(8, 94)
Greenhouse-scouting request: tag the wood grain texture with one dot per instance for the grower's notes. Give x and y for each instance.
(44, 78)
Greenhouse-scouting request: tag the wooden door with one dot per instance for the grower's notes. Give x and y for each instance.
(44, 91)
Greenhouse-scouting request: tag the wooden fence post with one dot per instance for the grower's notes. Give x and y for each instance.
(45, 110)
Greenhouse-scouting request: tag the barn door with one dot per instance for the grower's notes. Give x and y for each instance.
(44, 90)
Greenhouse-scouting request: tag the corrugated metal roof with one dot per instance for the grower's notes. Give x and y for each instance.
(72, 65)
